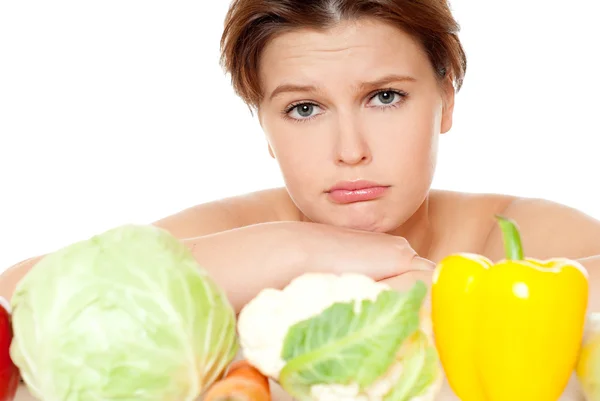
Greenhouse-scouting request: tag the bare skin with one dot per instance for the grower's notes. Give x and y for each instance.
(358, 101)
(470, 213)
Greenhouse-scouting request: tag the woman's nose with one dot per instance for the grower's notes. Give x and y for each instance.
(352, 147)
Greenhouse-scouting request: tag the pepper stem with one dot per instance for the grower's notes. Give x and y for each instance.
(512, 238)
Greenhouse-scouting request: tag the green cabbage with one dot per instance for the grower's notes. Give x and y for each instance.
(127, 315)
(345, 346)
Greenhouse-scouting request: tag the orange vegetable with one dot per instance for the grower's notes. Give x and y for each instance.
(243, 382)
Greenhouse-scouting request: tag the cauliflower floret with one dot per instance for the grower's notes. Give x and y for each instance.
(264, 322)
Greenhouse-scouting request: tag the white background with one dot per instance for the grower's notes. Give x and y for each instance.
(117, 111)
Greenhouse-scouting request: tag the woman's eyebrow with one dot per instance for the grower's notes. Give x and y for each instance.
(292, 88)
(383, 81)
(369, 85)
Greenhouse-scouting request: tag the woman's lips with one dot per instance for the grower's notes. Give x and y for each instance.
(356, 191)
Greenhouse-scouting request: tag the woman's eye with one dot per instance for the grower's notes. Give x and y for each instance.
(386, 98)
(303, 111)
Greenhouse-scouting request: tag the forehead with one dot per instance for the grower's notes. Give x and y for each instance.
(351, 52)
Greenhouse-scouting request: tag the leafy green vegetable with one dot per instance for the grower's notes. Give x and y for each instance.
(342, 346)
(125, 315)
(419, 369)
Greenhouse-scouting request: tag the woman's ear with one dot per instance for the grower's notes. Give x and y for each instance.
(260, 121)
(448, 93)
(271, 151)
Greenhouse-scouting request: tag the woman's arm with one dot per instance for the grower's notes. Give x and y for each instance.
(244, 260)
(204, 219)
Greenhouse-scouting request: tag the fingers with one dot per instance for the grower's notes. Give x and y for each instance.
(421, 264)
(402, 259)
(407, 259)
(412, 266)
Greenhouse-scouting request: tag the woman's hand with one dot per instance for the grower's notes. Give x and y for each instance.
(379, 256)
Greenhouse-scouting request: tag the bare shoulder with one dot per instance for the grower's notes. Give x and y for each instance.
(462, 221)
(269, 205)
(549, 229)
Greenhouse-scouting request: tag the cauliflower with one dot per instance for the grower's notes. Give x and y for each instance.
(588, 363)
(345, 337)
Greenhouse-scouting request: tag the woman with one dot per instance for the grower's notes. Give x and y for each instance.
(352, 96)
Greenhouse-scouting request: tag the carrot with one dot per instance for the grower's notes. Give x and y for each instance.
(243, 382)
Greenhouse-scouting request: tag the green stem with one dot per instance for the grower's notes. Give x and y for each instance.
(512, 239)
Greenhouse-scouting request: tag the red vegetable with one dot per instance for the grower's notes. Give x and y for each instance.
(9, 374)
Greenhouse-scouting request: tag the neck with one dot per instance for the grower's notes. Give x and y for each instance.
(418, 230)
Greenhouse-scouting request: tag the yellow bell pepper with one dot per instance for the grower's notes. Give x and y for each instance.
(509, 331)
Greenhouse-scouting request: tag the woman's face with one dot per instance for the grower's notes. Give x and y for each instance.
(358, 102)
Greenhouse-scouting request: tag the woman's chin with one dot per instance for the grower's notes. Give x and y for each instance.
(364, 222)
(373, 216)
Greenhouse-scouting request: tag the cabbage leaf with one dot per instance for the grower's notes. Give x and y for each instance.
(345, 344)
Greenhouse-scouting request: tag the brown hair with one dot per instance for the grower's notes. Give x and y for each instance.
(250, 24)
